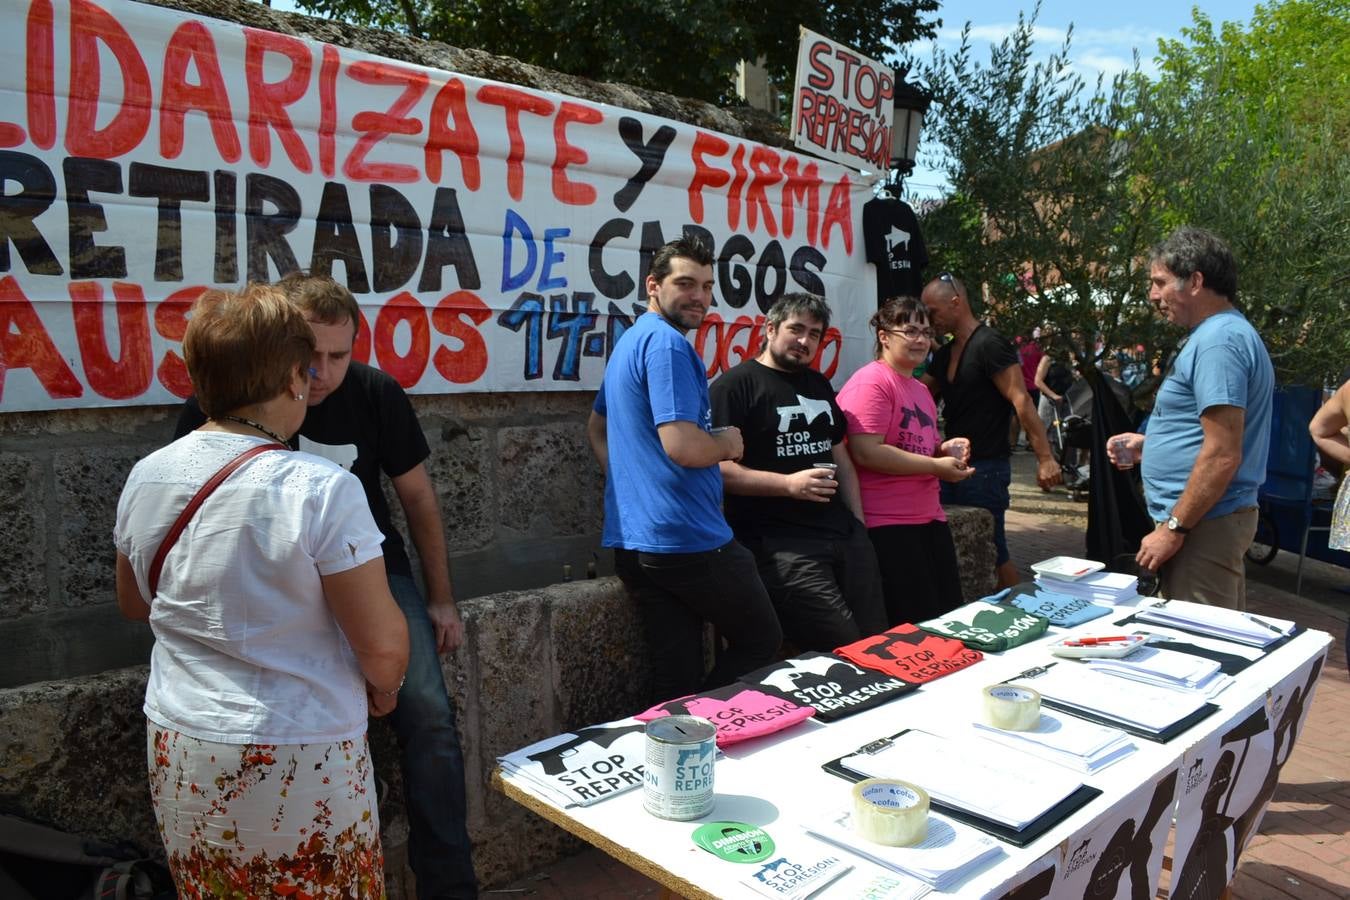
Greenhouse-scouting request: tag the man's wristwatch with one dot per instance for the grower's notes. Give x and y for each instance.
(1174, 525)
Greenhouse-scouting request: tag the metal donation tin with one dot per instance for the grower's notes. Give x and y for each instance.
(677, 780)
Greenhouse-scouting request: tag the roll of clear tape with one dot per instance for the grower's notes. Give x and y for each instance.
(889, 812)
(1011, 707)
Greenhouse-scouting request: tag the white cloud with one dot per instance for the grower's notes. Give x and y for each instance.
(1090, 65)
(1093, 51)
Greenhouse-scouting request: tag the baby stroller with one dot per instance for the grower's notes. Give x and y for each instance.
(1071, 431)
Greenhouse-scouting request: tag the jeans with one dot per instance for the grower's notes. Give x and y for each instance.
(433, 766)
(827, 591)
(986, 489)
(676, 593)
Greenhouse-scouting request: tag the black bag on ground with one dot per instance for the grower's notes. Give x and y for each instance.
(42, 863)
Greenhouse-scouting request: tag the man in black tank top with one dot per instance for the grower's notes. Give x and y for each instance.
(978, 377)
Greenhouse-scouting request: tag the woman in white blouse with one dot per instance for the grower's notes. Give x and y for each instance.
(275, 633)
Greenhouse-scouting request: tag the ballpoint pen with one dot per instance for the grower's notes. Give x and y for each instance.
(1093, 641)
(1263, 623)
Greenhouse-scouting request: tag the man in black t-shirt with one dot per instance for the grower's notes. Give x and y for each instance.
(978, 377)
(801, 519)
(361, 419)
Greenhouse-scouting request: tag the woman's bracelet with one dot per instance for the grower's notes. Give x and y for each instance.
(392, 693)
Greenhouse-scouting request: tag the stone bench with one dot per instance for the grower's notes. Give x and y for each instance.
(72, 753)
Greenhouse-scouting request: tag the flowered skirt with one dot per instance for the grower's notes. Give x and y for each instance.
(1339, 539)
(266, 820)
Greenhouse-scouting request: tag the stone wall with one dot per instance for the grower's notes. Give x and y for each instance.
(519, 491)
(534, 663)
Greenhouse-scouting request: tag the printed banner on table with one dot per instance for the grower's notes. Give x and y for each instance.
(496, 237)
(842, 104)
(1119, 855)
(1227, 782)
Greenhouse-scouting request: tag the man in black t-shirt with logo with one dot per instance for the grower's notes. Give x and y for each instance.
(978, 377)
(361, 419)
(792, 498)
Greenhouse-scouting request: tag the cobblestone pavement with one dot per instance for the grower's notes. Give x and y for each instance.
(1303, 850)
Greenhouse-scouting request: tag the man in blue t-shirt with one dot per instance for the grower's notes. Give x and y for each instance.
(1210, 430)
(651, 431)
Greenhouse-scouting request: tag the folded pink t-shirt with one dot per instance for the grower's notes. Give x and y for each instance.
(740, 712)
(879, 400)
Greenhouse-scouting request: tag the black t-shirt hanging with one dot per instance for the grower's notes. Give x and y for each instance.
(789, 422)
(972, 406)
(895, 246)
(367, 426)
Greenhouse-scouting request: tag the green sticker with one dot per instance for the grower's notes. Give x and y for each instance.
(734, 841)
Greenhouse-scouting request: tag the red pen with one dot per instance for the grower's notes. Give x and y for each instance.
(1093, 641)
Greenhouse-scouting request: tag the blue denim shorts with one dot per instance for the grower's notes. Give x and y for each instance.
(986, 489)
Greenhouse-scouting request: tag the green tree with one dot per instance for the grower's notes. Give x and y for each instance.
(1249, 134)
(687, 48)
(1042, 213)
(1059, 189)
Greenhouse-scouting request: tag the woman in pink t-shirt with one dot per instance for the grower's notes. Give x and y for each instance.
(894, 441)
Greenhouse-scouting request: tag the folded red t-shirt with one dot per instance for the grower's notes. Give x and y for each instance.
(910, 654)
(739, 711)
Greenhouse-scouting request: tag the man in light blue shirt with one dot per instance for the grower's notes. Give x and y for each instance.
(651, 430)
(1209, 433)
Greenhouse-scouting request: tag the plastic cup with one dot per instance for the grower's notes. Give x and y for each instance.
(1124, 453)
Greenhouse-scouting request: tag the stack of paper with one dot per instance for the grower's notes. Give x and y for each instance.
(949, 855)
(1069, 742)
(1101, 587)
(1216, 621)
(1166, 669)
(1012, 792)
(1128, 705)
(579, 769)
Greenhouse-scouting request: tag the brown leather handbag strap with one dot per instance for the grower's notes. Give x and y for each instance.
(198, 498)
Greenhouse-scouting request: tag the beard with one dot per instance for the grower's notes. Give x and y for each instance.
(790, 363)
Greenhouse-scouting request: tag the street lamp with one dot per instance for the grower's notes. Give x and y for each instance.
(911, 104)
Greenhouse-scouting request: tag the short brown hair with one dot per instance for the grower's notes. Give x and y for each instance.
(894, 312)
(242, 349)
(684, 247)
(322, 299)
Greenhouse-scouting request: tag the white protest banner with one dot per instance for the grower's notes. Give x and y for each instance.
(1119, 854)
(496, 237)
(842, 104)
(1230, 779)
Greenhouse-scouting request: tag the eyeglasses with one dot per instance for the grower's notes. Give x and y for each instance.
(913, 332)
(947, 277)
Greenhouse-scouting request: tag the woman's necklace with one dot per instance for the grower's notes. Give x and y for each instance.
(258, 425)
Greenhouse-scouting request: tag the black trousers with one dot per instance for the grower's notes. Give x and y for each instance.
(827, 591)
(676, 593)
(919, 578)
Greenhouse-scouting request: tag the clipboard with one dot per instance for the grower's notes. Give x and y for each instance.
(1148, 734)
(1018, 837)
(1229, 663)
(1133, 619)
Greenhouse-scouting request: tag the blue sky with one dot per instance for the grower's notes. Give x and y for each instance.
(1105, 36)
